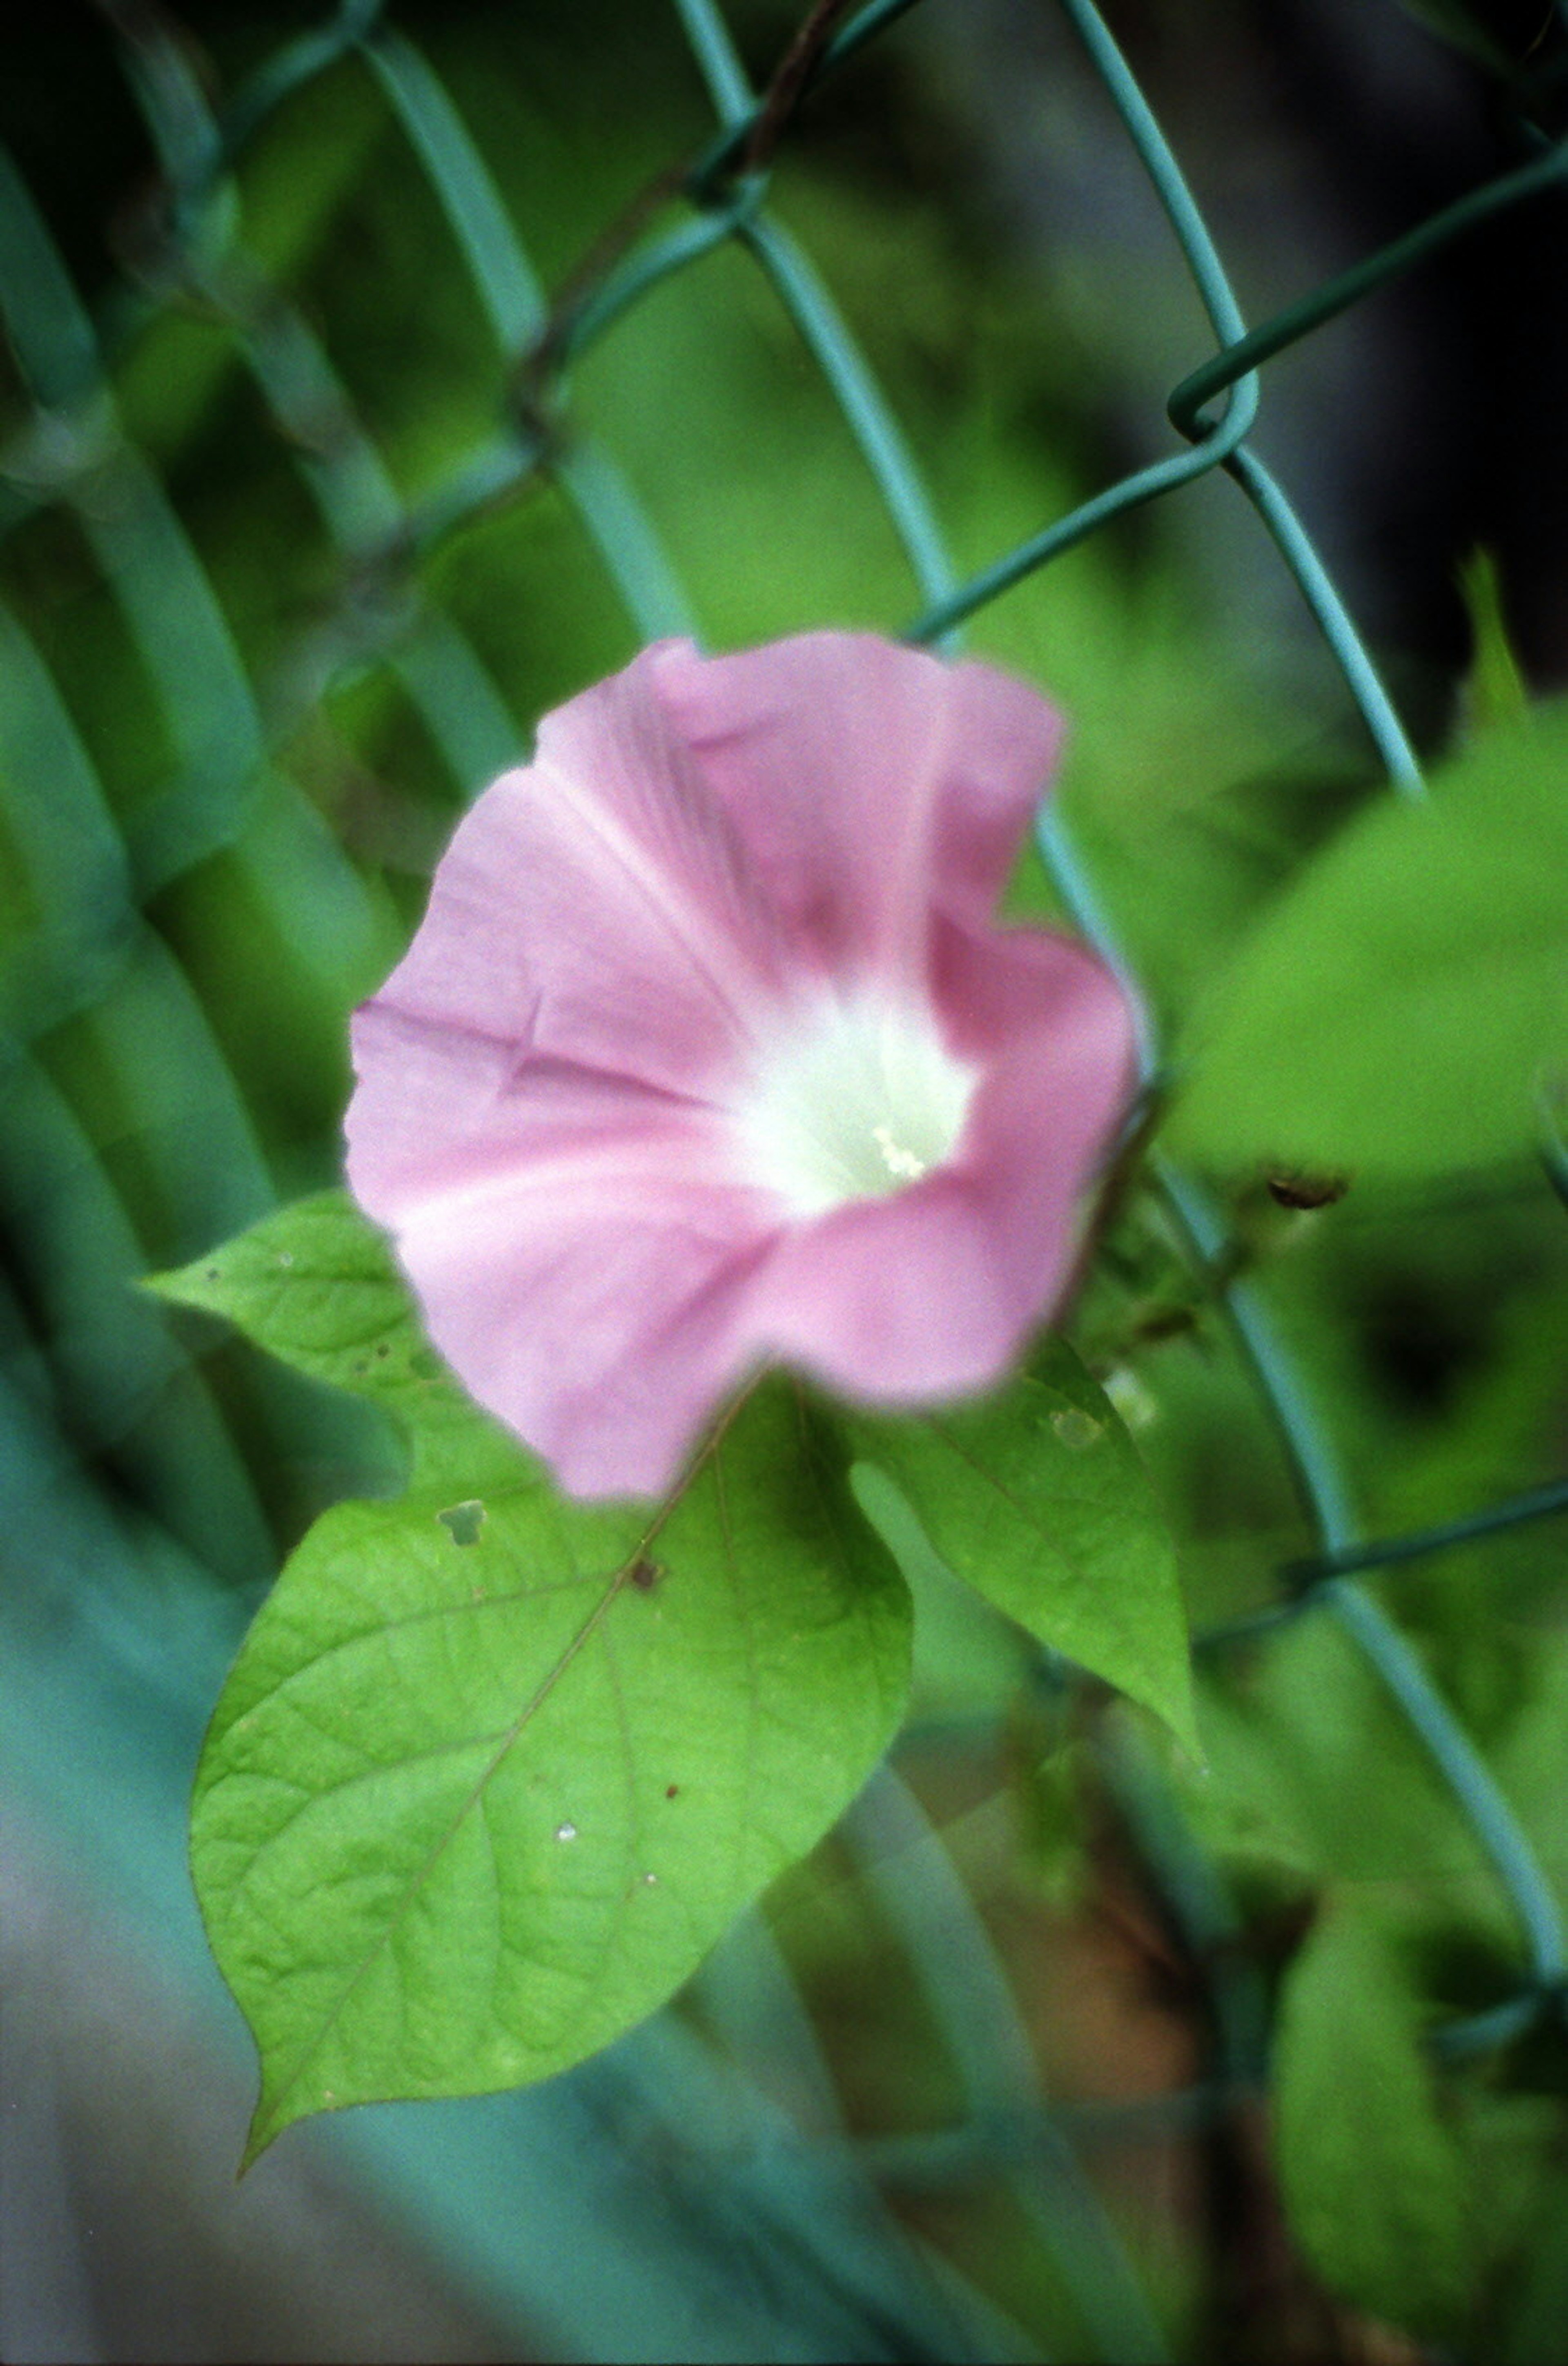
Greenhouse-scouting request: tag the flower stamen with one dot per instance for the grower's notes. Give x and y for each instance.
(899, 1162)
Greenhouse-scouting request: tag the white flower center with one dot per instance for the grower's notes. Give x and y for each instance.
(856, 1101)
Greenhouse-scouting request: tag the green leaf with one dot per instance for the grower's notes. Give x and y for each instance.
(1037, 1498)
(493, 1771)
(317, 1286)
(1299, 1736)
(1531, 2304)
(1494, 690)
(489, 1779)
(1371, 2170)
(1404, 1005)
(1466, 29)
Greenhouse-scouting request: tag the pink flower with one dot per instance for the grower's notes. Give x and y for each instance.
(707, 1054)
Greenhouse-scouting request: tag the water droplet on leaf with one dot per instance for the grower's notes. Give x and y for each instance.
(566, 1831)
(1076, 1429)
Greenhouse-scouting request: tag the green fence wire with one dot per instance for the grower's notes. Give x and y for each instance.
(94, 1387)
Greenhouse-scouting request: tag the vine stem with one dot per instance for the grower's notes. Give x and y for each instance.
(1320, 1485)
(1319, 1481)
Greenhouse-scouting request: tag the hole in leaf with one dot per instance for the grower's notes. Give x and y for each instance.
(463, 1521)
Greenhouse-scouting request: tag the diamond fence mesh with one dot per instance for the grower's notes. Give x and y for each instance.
(201, 875)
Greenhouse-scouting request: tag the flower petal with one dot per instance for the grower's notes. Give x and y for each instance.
(575, 1240)
(931, 1292)
(441, 1109)
(869, 783)
(594, 1311)
(594, 905)
(558, 1085)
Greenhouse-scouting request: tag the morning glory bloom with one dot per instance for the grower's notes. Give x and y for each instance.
(709, 1055)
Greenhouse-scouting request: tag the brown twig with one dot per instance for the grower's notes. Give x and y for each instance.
(791, 79)
(785, 88)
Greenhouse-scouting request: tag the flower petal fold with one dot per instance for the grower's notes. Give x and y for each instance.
(597, 1310)
(594, 905)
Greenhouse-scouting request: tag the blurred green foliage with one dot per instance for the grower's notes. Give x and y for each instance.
(278, 592)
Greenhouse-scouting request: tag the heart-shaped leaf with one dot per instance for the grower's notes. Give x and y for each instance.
(1037, 1498)
(493, 1771)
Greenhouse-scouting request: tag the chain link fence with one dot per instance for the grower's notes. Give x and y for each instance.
(185, 932)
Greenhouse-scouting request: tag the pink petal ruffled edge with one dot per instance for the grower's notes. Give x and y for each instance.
(869, 784)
